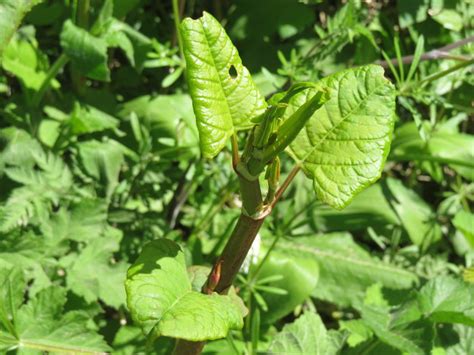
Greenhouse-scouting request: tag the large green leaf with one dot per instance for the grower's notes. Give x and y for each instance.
(416, 216)
(344, 145)
(225, 97)
(307, 335)
(345, 269)
(299, 275)
(368, 209)
(162, 302)
(11, 14)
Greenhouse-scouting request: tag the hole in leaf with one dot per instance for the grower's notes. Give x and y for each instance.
(233, 72)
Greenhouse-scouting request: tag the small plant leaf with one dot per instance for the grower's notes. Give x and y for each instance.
(225, 97)
(447, 300)
(344, 145)
(162, 302)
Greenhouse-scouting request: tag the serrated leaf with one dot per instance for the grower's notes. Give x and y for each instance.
(162, 302)
(415, 338)
(42, 326)
(345, 269)
(11, 14)
(225, 97)
(307, 335)
(83, 222)
(344, 145)
(93, 274)
(102, 161)
(88, 53)
(44, 185)
(447, 300)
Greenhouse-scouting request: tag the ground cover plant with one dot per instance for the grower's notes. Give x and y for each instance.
(280, 176)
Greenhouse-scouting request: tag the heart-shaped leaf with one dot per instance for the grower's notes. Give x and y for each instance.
(162, 301)
(344, 145)
(225, 97)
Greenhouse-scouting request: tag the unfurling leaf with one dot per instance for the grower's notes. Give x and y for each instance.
(162, 301)
(344, 145)
(225, 97)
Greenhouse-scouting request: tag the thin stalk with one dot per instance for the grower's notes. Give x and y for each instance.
(285, 184)
(177, 21)
(81, 18)
(50, 75)
(235, 151)
(443, 73)
(438, 53)
(265, 257)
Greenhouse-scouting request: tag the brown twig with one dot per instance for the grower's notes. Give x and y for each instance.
(285, 184)
(438, 53)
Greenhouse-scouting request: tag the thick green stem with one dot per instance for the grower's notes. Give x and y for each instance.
(82, 19)
(251, 196)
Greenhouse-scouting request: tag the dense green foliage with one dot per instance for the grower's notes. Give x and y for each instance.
(106, 130)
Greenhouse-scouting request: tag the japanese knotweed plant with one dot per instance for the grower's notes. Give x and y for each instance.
(337, 131)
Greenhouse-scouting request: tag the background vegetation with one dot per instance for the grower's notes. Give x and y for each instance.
(99, 154)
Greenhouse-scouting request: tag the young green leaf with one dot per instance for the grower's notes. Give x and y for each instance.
(447, 300)
(225, 97)
(11, 14)
(413, 338)
(162, 301)
(307, 335)
(464, 222)
(344, 145)
(87, 52)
